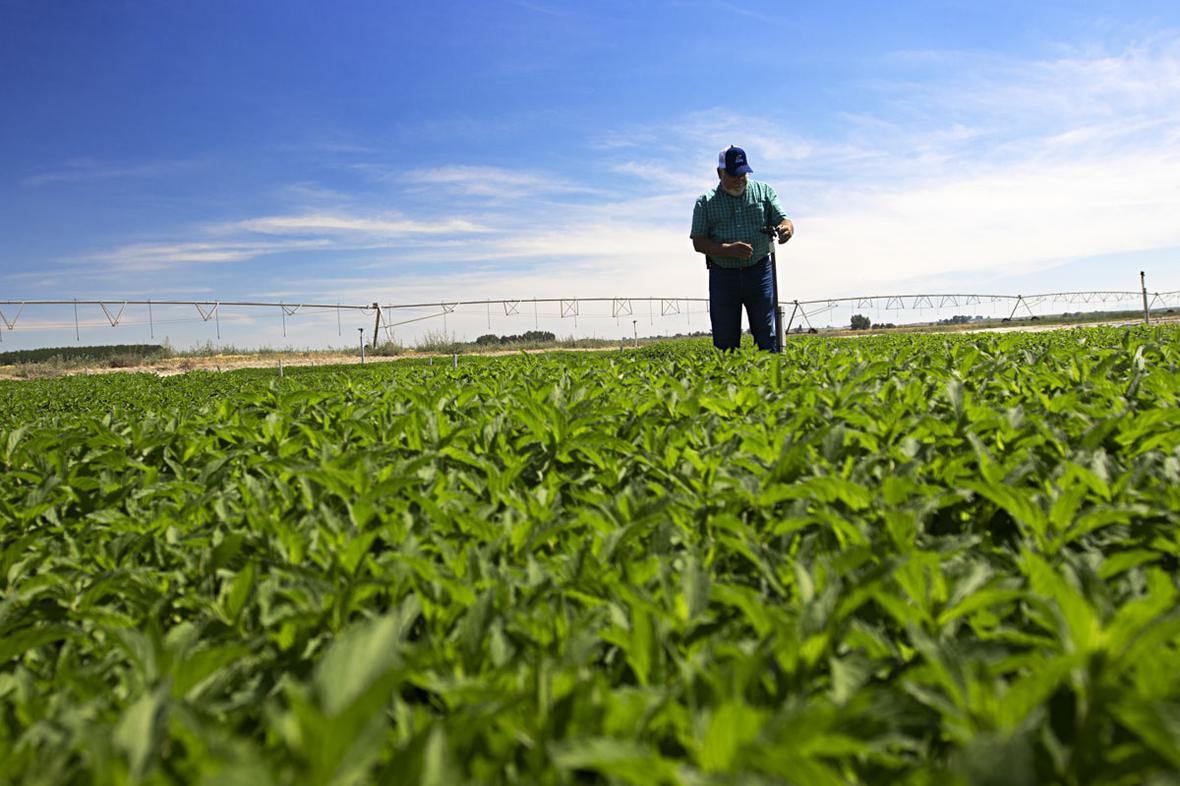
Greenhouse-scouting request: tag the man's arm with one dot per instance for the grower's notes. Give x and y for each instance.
(710, 247)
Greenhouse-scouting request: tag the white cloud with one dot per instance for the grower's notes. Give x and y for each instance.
(489, 182)
(342, 225)
(139, 257)
(1008, 219)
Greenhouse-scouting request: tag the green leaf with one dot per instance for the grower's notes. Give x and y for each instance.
(730, 726)
(695, 584)
(1017, 505)
(438, 769)
(1082, 631)
(626, 760)
(225, 551)
(983, 599)
(1123, 561)
(1157, 723)
(1033, 688)
(140, 732)
(14, 644)
(13, 440)
(362, 654)
(191, 670)
(239, 592)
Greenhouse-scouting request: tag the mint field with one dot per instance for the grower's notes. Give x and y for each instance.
(888, 560)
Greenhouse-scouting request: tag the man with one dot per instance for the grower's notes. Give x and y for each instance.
(728, 225)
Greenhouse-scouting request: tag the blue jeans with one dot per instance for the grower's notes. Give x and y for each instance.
(731, 290)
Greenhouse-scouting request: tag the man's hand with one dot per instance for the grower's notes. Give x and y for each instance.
(739, 250)
(785, 230)
(710, 247)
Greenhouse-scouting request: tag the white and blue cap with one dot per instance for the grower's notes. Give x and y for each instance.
(733, 161)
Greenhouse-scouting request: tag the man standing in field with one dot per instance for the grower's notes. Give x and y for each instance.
(728, 225)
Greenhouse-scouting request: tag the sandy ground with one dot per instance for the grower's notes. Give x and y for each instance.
(179, 365)
(1042, 328)
(1024, 328)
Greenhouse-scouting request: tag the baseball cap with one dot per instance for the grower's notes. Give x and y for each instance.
(733, 161)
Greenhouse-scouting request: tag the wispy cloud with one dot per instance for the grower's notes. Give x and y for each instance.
(546, 9)
(311, 193)
(139, 257)
(240, 241)
(344, 225)
(478, 181)
(727, 9)
(494, 181)
(84, 170)
(1125, 94)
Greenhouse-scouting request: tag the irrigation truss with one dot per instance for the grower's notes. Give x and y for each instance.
(388, 317)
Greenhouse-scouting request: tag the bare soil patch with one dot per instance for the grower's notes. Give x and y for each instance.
(167, 367)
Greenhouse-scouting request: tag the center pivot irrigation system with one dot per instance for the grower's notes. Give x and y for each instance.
(388, 317)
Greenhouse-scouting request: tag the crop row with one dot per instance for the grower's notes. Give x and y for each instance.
(904, 559)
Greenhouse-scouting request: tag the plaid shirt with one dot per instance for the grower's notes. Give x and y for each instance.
(728, 219)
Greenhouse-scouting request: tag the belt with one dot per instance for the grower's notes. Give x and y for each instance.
(709, 264)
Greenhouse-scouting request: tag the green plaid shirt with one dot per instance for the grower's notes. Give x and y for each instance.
(728, 219)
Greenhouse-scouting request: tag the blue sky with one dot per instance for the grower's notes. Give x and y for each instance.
(360, 151)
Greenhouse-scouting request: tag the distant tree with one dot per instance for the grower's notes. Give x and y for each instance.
(529, 337)
(860, 322)
(486, 339)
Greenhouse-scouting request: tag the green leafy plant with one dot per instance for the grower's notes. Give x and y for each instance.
(894, 559)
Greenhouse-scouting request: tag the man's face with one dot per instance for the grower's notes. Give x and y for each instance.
(734, 185)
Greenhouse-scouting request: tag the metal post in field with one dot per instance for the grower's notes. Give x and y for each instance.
(376, 324)
(77, 334)
(1019, 300)
(795, 311)
(1146, 309)
(635, 327)
(454, 360)
(782, 312)
(361, 332)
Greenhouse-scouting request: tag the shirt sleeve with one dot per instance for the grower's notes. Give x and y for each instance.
(700, 223)
(774, 211)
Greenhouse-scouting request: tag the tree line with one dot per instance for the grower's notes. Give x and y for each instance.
(528, 337)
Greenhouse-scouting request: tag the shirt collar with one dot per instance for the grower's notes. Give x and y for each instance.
(743, 197)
